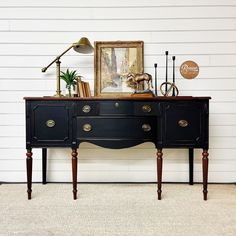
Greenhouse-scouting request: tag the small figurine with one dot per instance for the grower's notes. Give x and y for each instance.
(138, 81)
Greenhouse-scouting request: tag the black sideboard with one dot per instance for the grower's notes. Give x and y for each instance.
(168, 122)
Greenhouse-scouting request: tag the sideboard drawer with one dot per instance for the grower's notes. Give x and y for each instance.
(147, 109)
(87, 108)
(116, 108)
(113, 128)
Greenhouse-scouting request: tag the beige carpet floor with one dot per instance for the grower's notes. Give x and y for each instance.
(117, 209)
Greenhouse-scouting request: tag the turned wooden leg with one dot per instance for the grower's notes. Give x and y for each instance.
(190, 166)
(205, 172)
(74, 172)
(44, 165)
(29, 172)
(159, 172)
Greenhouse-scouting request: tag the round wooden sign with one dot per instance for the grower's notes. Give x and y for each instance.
(189, 69)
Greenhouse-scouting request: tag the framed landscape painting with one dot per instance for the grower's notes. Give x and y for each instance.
(114, 60)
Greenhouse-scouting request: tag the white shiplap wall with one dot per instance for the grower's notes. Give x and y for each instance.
(32, 33)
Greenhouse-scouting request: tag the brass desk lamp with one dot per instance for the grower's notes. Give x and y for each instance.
(83, 46)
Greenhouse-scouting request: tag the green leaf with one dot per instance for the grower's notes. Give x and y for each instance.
(69, 77)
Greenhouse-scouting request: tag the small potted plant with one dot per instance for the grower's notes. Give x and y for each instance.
(70, 77)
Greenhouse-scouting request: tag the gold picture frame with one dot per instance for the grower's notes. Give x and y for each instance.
(113, 61)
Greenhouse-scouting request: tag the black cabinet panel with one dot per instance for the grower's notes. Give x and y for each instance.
(50, 124)
(183, 124)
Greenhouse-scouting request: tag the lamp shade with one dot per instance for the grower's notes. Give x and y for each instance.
(83, 46)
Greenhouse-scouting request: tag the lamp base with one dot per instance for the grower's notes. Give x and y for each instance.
(58, 95)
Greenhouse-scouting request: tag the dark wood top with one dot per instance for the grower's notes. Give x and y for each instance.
(159, 98)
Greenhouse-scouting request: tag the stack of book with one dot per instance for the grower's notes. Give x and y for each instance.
(83, 88)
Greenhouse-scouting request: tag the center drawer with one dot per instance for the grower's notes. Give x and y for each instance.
(113, 128)
(116, 108)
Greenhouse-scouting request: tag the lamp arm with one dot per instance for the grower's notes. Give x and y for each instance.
(57, 58)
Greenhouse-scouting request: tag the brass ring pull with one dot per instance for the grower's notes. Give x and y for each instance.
(146, 127)
(50, 123)
(183, 123)
(87, 127)
(146, 108)
(86, 109)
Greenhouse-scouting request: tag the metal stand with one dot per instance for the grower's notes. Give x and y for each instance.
(58, 91)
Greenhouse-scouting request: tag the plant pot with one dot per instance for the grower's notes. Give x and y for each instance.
(70, 92)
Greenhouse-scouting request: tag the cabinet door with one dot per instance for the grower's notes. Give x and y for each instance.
(183, 124)
(50, 124)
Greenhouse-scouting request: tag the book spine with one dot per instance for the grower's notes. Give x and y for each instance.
(80, 89)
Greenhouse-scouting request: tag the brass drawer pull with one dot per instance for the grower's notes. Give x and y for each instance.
(183, 123)
(50, 123)
(146, 108)
(86, 109)
(146, 127)
(87, 127)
